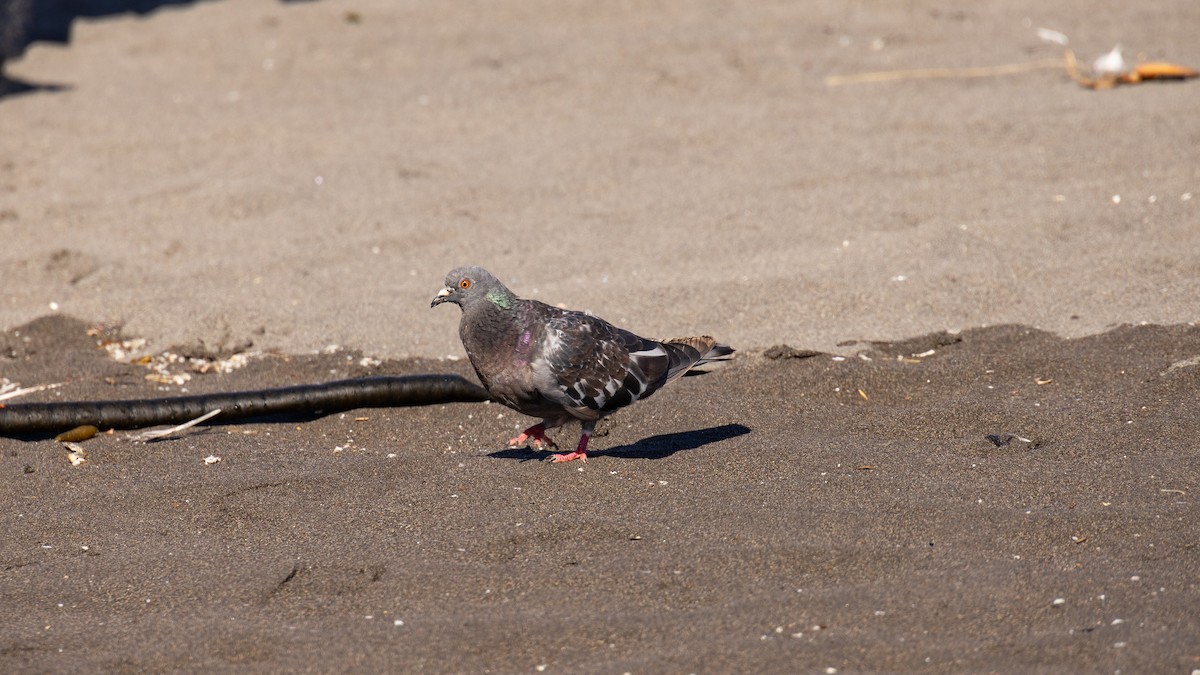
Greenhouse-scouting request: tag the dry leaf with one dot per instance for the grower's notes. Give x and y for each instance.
(1159, 70)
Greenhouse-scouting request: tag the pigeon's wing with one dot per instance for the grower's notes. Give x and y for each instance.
(593, 368)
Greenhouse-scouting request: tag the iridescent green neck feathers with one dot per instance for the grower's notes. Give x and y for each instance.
(499, 298)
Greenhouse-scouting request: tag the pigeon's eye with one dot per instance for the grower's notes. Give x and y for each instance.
(464, 284)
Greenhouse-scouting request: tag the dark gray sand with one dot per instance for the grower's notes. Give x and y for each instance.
(777, 515)
(281, 177)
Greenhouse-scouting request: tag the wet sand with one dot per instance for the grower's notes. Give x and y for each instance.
(1015, 495)
(1011, 502)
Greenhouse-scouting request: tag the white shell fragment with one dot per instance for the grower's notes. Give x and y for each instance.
(77, 454)
(1052, 36)
(1112, 63)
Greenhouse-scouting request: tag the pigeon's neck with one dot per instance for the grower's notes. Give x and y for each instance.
(490, 324)
(501, 297)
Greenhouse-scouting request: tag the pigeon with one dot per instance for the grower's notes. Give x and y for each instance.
(561, 365)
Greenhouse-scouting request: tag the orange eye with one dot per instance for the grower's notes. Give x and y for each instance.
(464, 284)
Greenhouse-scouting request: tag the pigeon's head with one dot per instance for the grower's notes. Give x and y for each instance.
(467, 285)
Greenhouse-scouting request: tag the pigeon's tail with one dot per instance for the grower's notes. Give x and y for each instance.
(688, 352)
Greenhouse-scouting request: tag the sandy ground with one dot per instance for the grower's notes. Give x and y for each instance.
(280, 178)
(253, 170)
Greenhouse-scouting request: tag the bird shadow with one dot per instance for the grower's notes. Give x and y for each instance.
(53, 21)
(654, 447)
(13, 87)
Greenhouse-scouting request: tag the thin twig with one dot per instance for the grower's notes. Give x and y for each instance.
(28, 390)
(1073, 71)
(163, 433)
(942, 73)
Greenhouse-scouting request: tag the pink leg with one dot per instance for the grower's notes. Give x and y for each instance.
(580, 451)
(538, 435)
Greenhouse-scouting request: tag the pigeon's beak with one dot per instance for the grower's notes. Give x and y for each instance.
(442, 296)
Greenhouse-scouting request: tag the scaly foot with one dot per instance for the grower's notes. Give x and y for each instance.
(580, 451)
(536, 438)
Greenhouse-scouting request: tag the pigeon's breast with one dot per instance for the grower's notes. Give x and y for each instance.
(523, 350)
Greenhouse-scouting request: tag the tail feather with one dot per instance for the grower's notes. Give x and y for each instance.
(688, 352)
